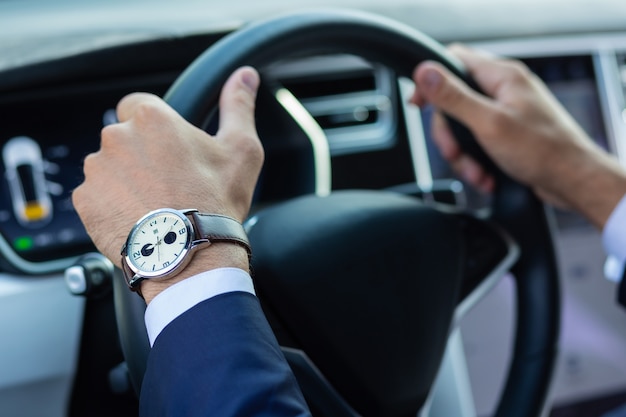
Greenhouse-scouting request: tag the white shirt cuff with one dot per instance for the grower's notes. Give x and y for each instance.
(613, 269)
(614, 240)
(182, 296)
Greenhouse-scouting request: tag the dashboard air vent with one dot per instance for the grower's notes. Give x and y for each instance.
(352, 101)
(621, 62)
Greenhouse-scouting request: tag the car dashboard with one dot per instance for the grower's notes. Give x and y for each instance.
(56, 97)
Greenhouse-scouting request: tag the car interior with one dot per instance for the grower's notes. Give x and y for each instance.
(460, 303)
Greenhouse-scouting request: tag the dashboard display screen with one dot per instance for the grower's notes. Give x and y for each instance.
(43, 143)
(572, 80)
(37, 218)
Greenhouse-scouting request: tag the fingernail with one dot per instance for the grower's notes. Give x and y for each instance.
(250, 80)
(432, 80)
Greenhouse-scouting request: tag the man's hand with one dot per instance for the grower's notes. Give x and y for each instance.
(153, 158)
(524, 129)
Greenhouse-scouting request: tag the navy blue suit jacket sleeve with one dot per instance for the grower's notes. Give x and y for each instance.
(220, 358)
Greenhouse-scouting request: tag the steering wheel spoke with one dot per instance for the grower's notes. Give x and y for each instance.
(490, 254)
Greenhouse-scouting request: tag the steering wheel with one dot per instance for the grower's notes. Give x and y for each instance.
(362, 288)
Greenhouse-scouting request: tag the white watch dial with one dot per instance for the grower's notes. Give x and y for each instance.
(158, 243)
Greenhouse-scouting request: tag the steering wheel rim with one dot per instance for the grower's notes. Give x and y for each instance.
(515, 208)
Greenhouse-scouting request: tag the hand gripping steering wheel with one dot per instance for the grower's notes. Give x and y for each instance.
(366, 284)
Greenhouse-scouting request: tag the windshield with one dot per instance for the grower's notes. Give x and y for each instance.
(32, 31)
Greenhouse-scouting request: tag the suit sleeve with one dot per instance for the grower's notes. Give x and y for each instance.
(220, 358)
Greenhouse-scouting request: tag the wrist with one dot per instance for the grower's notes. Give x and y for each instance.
(597, 184)
(162, 245)
(218, 255)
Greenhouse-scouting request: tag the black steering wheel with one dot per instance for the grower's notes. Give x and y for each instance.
(362, 288)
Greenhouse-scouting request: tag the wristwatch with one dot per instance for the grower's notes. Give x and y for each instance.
(162, 242)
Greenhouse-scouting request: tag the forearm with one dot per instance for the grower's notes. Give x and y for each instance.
(591, 182)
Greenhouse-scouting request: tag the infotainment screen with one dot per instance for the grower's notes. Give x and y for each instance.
(572, 80)
(43, 142)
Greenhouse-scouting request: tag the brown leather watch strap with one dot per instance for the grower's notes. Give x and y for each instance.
(218, 228)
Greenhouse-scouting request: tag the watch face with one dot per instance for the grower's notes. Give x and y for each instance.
(158, 243)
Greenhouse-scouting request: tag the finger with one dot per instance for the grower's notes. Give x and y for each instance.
(452, 96)
(237, 104)
(474, 61)
(473, 173)
(130, 105)
(489, 71)
(463, 165)
(488, 185)
(417, 98)
(473, 58)
(466, 167)
(443, 138)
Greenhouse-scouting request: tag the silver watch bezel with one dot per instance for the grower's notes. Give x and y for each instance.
(175, 267)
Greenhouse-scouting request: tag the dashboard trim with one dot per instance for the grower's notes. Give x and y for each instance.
(553, 46)
(417, 141)
(313, 131)
(612, 101)
(34, 268)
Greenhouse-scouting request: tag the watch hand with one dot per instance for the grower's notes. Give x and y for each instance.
(160, 240)
(158, 246)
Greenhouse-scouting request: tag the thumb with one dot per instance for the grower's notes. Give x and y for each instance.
(449, 94)
(237, 103)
